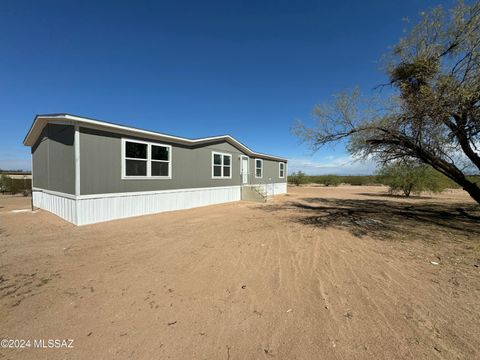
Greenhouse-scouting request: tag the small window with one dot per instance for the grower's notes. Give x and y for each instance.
(258, 168)
(281, 170)
(160, 160)
(145, 160)
(221, 166)
(136, 150)
(135, 159)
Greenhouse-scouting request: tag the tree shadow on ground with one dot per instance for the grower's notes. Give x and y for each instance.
(396, 196)
(387, 219)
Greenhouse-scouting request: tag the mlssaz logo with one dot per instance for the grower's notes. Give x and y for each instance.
(53, 343)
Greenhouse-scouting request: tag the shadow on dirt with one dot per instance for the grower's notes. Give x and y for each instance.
(395, 196)
(387, 219)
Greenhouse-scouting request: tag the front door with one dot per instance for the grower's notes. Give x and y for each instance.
(244, 167)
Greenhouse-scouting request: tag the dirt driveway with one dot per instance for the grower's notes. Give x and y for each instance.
(321, 273)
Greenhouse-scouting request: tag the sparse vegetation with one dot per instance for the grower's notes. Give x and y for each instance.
(333, 180)
(361, 180)
(412, 178)
(298, 178)
(15, 186)
(5, 183)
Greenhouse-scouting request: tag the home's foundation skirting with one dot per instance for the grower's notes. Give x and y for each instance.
(90, 209)
(93, 210)
(60, 204)
(272, 189)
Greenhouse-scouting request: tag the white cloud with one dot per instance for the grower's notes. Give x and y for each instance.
(331, 164)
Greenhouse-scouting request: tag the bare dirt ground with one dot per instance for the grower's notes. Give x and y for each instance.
(320, 273)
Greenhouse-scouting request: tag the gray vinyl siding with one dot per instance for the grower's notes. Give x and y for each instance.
(100, 166)
(270, 172)
(53, 159)
(40, 161)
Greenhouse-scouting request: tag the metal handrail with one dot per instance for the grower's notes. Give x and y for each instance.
(253, 181)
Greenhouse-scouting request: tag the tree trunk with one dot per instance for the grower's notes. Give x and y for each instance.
(449, 170)
(472, 189)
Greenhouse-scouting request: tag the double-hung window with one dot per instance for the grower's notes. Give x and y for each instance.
(281, 170)
(258, 168)
(160, 160)
(145, 160)
(221, 166)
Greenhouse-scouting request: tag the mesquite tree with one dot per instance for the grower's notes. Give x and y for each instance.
(431, 114)
(411, 178)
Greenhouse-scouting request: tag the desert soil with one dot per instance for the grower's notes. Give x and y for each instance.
(320, 273)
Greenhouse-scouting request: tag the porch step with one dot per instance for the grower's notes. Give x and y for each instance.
(254, 193)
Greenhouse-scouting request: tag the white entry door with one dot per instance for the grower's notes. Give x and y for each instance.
(244, 168)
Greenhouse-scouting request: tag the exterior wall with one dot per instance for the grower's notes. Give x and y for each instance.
(100, 166)
(105, 196)
(270, 172)
(40, 161)
(53, 158)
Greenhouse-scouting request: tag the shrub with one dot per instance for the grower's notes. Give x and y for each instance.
(298, 178)
(412, 178)
(14, 186)
(331, 180)
(5, 183)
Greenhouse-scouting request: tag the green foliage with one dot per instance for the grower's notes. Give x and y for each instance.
(412, 178)
(5, 183)
(474, 179)
(14, 186)
(358, 180)
(298, 178)
(331, 180)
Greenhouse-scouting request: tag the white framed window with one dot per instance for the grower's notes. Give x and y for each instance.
(258, 168)
(281, 170)
(146, 160)
(221, 165)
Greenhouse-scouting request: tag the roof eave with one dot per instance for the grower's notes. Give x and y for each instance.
(41, 120)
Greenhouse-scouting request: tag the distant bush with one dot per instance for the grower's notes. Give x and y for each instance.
(474, 178)
(363, 180)
(14, 186)
(331, 180)
(412, 178)
(298, 178)
(5, 183)
(334, 180)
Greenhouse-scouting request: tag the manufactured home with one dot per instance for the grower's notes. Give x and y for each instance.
(88, 171)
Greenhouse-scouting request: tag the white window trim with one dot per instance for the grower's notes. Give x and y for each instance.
(212, 164)
(261, 168)
(280, 170)
(148, 161)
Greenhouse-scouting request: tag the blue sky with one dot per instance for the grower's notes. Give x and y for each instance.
(194, 69)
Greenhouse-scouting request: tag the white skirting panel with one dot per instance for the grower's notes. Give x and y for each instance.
(273, 188)
(280, 188)
(103, 208)
(57, 204)
(90, 209)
